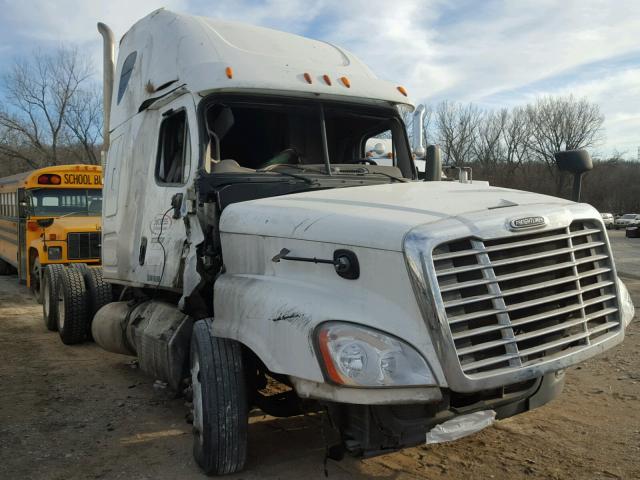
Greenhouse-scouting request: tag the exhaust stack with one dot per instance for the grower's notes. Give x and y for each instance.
(417, 131)
(108, 72)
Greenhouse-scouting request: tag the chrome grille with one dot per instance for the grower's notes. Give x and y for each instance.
(83, 245)
(516, 301)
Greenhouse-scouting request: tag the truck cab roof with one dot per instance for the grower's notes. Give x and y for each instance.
(213, 55)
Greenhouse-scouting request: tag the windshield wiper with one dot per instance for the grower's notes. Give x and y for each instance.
(397, 179)
(292, 175)
(302, 168)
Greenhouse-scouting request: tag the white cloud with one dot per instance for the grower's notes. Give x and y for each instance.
(618, 95)
(464, 50)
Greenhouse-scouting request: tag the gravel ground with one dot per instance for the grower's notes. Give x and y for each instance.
(79, 412)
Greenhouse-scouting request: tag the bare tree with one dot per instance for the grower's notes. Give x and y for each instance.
(515, 135)
(488, 148)
(52, 108)
(562, 123)
(457, 126)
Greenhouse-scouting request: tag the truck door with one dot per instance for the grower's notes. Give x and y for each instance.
(161, 245)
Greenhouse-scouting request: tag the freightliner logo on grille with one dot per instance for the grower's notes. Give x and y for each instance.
(526, 222)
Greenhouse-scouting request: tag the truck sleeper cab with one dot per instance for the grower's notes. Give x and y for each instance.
(238, 185)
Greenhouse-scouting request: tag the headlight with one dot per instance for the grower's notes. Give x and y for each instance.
(54, 253)
(627, 310)
(363, 357)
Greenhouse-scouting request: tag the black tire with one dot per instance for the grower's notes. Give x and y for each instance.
(83, 267)
(5, 267)
(221, 413)
(72, 307)
(50, 295)
(99, 293)
(36, 280)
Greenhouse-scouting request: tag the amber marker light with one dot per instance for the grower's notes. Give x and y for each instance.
(307, 77)
(55, 180)
(345, 81)
(229, 72)
(403, 91)
(326, 356)
(326, 79)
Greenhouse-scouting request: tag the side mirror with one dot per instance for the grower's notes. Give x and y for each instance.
(433, 164)
(23, 208)
(576, 162)
(44, 222)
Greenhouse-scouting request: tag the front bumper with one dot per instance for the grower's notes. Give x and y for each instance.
(369, 430)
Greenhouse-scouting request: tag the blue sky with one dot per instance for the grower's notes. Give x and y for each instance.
(492, 53)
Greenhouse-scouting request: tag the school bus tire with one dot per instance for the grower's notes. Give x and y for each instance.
(36, 279)
(50, 295)
(5, 268)
(73, 314)
(98, 291)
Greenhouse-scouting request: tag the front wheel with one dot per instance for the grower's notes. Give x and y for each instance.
(36, 280)
(5, 268)
(220, 410)
(50, 295)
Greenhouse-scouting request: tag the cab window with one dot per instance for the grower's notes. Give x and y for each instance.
(174, 150)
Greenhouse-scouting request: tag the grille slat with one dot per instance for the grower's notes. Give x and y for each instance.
(489, 361)
(464, 253)
(514, 301)
(519, 306)
(526, 258)
(484, 346)
(83, 245)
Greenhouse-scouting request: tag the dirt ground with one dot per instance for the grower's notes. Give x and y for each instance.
(81, 413)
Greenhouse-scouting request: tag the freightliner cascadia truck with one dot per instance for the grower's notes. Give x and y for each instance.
(257, 257)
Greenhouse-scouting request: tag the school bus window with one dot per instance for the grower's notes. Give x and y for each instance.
(57, 201)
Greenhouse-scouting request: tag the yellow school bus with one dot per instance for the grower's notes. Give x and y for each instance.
(49, 215)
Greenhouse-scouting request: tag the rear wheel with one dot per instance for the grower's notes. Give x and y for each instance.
(98, 292)
(220, 411)
(50, 295)
(72, 307)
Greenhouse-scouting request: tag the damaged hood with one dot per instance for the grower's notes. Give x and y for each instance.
(378, 216)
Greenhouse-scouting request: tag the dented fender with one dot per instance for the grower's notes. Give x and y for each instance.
(275, 312)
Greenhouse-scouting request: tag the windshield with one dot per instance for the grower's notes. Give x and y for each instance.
(56, 202)
(269, 135)
(629, 215)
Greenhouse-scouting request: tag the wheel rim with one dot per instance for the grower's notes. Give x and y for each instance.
(60, 311)
(45, 302)
(196, 386)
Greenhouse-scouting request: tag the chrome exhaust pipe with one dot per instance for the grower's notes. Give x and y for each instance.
(108, 72)
(418, 134)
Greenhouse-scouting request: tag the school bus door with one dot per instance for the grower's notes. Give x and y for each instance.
(23, 213)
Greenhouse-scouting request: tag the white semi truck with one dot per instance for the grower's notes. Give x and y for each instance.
(250, 242)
